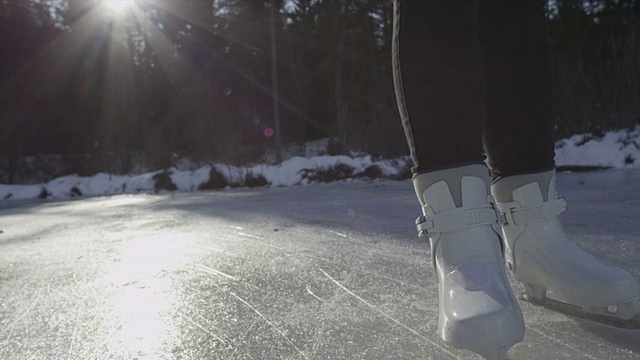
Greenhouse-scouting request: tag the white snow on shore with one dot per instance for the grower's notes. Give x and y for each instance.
(619, 149)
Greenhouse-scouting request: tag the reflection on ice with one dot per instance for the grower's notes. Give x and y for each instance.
(143, 300)
(140, 312)
(125, 200)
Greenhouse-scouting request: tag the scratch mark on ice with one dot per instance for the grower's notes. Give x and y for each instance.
(314, 295)
(74, 337)
(188, 318)
(414, 332)
(251, 236)
(213, 249)
(213, 271)
(242, 340)
(270, 324)
(561, 343)
(339, 234)
(9, 329)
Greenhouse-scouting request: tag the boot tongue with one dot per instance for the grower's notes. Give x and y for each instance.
(452, 179)
(474, 191)
(438, 197)
(529, 194)
(504, 189)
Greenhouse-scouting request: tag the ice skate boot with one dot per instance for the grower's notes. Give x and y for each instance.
(478, 310)
(541, 257)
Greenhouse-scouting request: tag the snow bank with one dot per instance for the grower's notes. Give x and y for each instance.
(618, 149)
(294, 171)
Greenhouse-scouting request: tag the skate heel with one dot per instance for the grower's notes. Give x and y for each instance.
(625, 311)
(498, 353)
(629, 310)
(534, 292)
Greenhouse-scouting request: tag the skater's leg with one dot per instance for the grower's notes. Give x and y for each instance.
(517, 138)
(518, 132)
(519, 143)
(438, 78)
(439, 81)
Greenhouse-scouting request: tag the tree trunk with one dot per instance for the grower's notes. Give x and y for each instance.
(341, 112)
(274, 84)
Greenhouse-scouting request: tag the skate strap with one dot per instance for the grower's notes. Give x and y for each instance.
(455, 219)
(528, 214)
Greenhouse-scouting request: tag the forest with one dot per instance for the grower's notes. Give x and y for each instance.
(107, 85)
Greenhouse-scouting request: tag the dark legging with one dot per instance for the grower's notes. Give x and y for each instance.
(474, 77)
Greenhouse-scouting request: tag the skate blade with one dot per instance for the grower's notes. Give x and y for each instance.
(580, 313)
(494, 353)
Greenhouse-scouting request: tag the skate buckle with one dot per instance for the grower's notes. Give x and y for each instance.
(517, 216)
(503, 218)
(423, 231)
(454, 219)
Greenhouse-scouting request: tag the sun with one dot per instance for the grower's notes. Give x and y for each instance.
(118, 6)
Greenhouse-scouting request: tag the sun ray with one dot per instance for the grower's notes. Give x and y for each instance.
(202, 18)
(163, 49)
(51, 65)
(119, 93)
(98, 32)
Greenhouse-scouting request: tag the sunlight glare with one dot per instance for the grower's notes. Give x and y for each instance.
(142, 298)
(118, 6)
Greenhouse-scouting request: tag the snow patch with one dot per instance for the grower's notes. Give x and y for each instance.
(617, 149)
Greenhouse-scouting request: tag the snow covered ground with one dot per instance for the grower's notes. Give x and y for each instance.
(619, 149)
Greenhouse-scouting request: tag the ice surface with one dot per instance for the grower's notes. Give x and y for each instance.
(309, 272)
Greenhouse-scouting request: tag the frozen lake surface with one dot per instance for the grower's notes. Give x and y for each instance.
(307, 272)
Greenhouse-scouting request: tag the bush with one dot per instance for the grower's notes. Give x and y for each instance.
(336, 172)
(163, 181)
(44, 194)
(216, 181)
(372, 172)
(253, 180)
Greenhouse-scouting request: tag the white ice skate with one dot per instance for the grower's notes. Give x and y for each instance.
(541, 257)
(478, 310)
